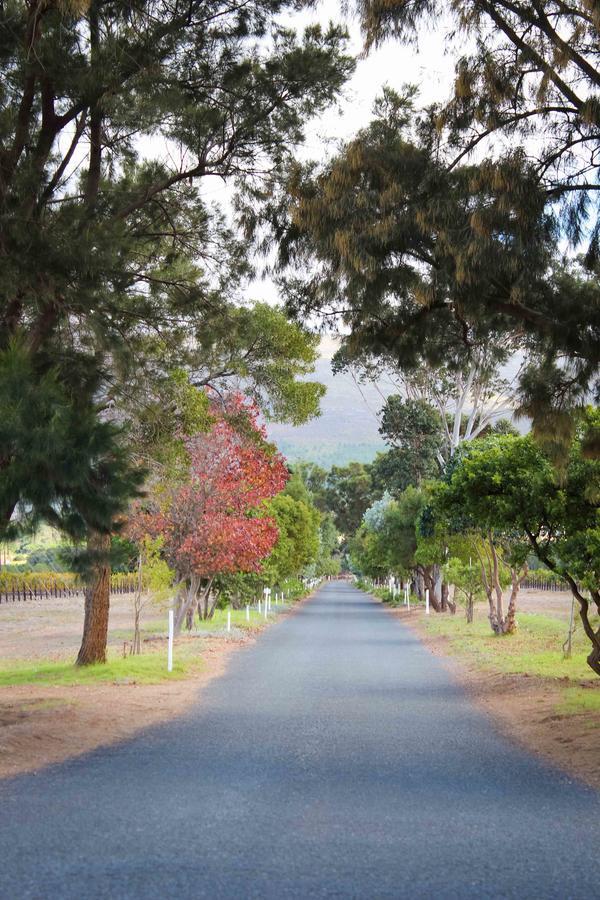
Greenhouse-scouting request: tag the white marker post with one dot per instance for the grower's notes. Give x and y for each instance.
(228, 620)
(408, 598)
(247, 612)
(170, 644)
(426, 601)
(259, 607)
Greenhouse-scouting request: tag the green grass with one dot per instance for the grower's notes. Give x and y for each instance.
(580, 700)
(148, 668)
(238, 618)
(536, 648)
(217, 623)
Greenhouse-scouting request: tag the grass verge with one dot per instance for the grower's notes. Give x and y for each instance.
(536, 648)
(148, 668)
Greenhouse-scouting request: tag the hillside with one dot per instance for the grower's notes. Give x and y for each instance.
(347, 429)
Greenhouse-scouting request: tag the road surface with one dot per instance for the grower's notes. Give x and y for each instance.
(335, 758)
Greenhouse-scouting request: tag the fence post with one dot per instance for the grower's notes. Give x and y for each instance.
(170, 644)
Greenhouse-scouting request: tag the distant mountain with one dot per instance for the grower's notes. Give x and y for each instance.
(347, 429)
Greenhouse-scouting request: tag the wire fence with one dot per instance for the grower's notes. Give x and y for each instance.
(534, 583)
(20, 592)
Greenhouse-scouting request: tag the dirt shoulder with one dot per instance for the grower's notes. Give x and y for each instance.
(47, 723)
(526, 709)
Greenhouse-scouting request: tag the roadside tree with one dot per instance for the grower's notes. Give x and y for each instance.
(507, 487)
(215, 523)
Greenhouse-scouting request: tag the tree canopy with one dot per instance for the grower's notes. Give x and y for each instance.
(110, 256)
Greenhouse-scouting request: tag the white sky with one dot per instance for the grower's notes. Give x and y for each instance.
(428, 66)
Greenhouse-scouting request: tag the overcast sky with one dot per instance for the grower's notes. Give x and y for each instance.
(428, 66)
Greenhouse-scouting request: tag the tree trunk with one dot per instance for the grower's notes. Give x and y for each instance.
(189, 618)
(429, 580)
(213, 597)
(97, 602)
(437, 597)
(469, 609)
(593, 660)
(136, 646)
(188, 598)
(509, 626)
(420, 584)
(447, 603)
(205, 610)
(497, 589)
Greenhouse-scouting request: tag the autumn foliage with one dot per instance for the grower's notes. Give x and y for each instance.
(213, 523)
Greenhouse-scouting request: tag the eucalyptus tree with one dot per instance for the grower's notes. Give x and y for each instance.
(508, 488)
(426, 263)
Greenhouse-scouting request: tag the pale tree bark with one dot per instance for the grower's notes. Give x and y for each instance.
(517, 578)
(194, 595)
(490, 575)
(429, 575)
(188, 597)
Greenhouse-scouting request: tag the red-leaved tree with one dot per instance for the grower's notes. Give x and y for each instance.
(212, 524)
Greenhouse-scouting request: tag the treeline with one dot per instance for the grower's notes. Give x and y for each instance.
(498, 505)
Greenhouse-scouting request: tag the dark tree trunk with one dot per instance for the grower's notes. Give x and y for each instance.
(469, 609)
(97, 602)
(447, 603)
(429, 580)
(6, 510)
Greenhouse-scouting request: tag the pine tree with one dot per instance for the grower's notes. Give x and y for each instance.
(103, 245)
(424, 264)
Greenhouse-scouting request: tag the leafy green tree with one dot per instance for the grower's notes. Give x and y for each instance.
(508, 487)
(60, 463)
(466, 579)
(525, 98)
(530, 74)
(298, 543)
(328, 561)
(387, 541)
(414, 428)
(108, 260)
(422, 261)
(270, 356)
(314, 477)
(347, 494)
(366, 554)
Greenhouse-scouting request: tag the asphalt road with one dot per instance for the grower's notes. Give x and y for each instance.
(335, 758)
